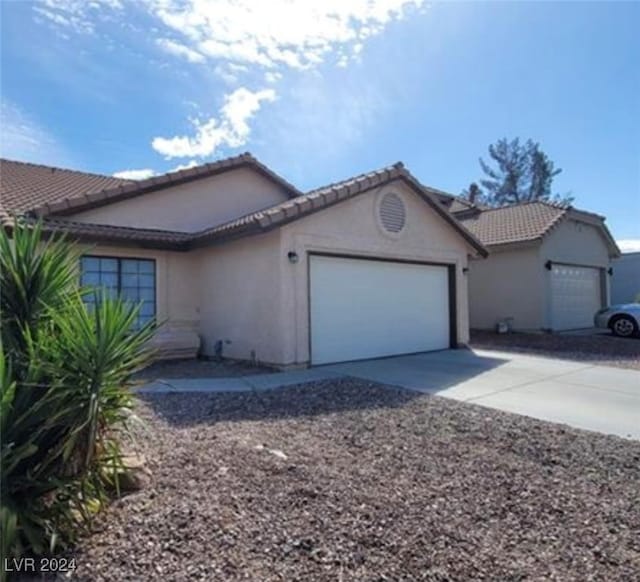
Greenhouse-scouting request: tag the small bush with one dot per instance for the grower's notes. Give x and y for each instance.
(65, 400)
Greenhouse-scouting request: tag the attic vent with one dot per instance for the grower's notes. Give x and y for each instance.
(392, 212)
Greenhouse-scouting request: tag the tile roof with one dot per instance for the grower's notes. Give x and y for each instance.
(47, 201)
(132, 188)
(155, 238)
(516, 223)
(92, 232)
(326, 196)
(264, 220)
(24, 186)
(45, 190)
(527, 222)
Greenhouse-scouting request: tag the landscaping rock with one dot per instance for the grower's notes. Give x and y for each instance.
(135, 474)
(379, 484)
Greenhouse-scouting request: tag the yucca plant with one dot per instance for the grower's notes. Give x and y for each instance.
(65, 400)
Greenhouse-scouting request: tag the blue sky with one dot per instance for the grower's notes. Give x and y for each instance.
(323, 90)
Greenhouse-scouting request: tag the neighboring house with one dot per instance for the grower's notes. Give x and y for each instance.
(625, 283)
(232, 255)
(548, 269)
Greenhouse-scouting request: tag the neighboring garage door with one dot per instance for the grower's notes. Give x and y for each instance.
(369, 308)
(575, 296)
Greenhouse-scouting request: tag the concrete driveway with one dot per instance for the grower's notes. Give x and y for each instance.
(579, 394)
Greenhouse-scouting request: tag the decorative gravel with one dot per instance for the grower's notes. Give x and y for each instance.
(348, 480)
(201, 369)
(602, 348)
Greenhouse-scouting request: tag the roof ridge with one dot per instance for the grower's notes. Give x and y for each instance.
(129, 188)
(395, 166)
(61, 169)
(274, 216)
(557, 206)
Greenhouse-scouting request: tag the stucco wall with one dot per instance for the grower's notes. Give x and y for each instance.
(352, 227)
(507, 284)
(576, 243)
(515, 283)
(249, 299)
(177, 296)
(192, 206)
(240, 286)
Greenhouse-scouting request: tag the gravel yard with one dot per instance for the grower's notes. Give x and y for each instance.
(348, 480)
(199, 368)
(602, 349)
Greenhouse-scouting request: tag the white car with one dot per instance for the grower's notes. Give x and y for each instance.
(622, 320)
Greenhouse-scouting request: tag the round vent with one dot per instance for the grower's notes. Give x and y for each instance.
(392, 212)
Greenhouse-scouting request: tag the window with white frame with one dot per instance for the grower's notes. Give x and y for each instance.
(132, 279)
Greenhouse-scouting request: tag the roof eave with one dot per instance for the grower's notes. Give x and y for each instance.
(514, 245)
(92, 200)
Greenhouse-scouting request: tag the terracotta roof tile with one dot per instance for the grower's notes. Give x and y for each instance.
(45, 190)
(24, 186)
(319, 198)
(144, 237)
(155, 183)
(30, 188)
(110, 232)
(516, 223)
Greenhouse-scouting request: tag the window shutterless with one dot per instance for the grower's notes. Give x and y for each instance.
(132, 279)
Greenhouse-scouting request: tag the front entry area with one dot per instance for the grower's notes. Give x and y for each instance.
(369, 308)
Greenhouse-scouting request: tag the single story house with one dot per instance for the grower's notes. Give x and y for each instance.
(625, 283)
(238, 263)
(549, 267)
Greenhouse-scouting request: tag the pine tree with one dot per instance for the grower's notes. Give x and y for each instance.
(520, 173)
(542, 172)
(506, 184)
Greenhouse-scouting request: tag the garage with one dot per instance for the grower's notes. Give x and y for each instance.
(368, 308)
(575, 296)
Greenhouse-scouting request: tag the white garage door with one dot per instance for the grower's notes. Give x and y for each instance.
(367, 309)
(575, 296)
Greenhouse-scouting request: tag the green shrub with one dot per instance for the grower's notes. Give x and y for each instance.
(65, 400)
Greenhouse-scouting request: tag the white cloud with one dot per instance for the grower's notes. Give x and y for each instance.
(295, 34)
(229, 72)
(23, 138)
(76, 15)
(135, 174)
(629, 245)
(242, 40)
(291, 33)
(229, 129)
(272, 77)
(190, 164)
(180, 50)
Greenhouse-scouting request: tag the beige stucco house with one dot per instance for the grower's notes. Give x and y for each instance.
(236, 262)
(549, 266)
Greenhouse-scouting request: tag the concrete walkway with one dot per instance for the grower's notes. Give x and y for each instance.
(239, 383)
(579, 394)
